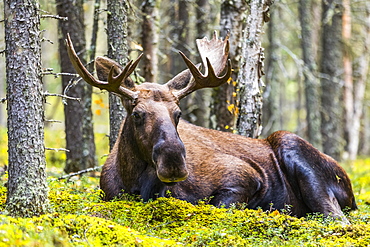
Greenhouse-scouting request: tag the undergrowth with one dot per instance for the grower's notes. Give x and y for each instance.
(81, 218)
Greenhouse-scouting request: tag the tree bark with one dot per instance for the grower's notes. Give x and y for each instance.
(272, 118)
(200, 99)
(149, 39)
(27, 194)
(331, 81)
(311, 81)
(360, 75)
(233, 14)
(78, 116)
(118, 51)
(251, 71)
(348, 99)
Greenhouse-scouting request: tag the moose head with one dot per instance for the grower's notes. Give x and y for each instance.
(153, 108)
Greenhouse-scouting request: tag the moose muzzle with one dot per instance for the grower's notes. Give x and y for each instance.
(169, 159)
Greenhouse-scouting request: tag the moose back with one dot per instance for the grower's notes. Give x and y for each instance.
(157, 151)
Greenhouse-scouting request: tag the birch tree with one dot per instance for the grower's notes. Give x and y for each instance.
(251, 70)
(233, 14)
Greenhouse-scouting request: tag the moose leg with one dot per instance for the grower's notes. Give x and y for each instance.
(238, 182)
(318, 196)
(110, 179)
(317, 179)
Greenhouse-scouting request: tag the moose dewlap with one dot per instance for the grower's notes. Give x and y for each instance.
(158, 152)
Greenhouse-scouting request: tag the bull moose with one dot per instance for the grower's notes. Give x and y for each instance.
(157, 151)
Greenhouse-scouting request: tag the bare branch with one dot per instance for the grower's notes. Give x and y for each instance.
(62, 96)
(68, 176)
(52, 121)
(57, 149)
(54, 17)
(47, 40)
(58, 74)
(49, 71)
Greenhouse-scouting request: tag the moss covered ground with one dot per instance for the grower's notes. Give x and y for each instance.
(81, 218)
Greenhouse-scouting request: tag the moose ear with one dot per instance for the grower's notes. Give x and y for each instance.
(180, 81)
(103, 65)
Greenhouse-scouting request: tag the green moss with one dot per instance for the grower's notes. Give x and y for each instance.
(81, 218)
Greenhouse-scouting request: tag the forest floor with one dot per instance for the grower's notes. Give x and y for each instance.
(79, 217)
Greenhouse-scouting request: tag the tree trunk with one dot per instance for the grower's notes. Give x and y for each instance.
(200, 99)
(78, 116)
(181, 41)
(27, 194)
(251, 71)
(233, 14)
(149, 39)
(311, 82)
(360, 72)
(347, 72)
(331, 81)
(118, 51)
(272, 118)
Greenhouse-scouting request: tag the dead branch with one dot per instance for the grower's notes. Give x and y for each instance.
(52, 121)
(54, 17)
(68, 176)
(49, 71)
(62, 96)
(57, 149)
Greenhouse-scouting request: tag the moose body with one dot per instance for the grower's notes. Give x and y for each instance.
(158, 152)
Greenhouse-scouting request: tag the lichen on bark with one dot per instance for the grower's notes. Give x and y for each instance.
(27, 193)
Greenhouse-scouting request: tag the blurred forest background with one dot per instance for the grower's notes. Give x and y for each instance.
(301, 87)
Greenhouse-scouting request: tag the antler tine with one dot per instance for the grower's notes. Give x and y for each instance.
(214, 55)
(113, 86)
(130, 67)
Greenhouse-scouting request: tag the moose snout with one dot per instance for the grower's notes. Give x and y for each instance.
(169, 160)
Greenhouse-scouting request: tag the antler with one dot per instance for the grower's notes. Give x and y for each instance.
(113, 84)
(214, 55)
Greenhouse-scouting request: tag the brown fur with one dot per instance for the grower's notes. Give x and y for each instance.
(226, 168)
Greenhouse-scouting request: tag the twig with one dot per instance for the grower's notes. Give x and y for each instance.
(80, 172)
(57, 149)
(62, 96)
(72, 82)
(49, 71)
(54, 17)
(52, 121)
(48, 40)
(2, 51)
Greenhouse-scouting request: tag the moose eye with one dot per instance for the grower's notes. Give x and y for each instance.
(137, 117)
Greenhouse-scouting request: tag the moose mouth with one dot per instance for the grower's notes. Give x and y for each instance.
(169, 183)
